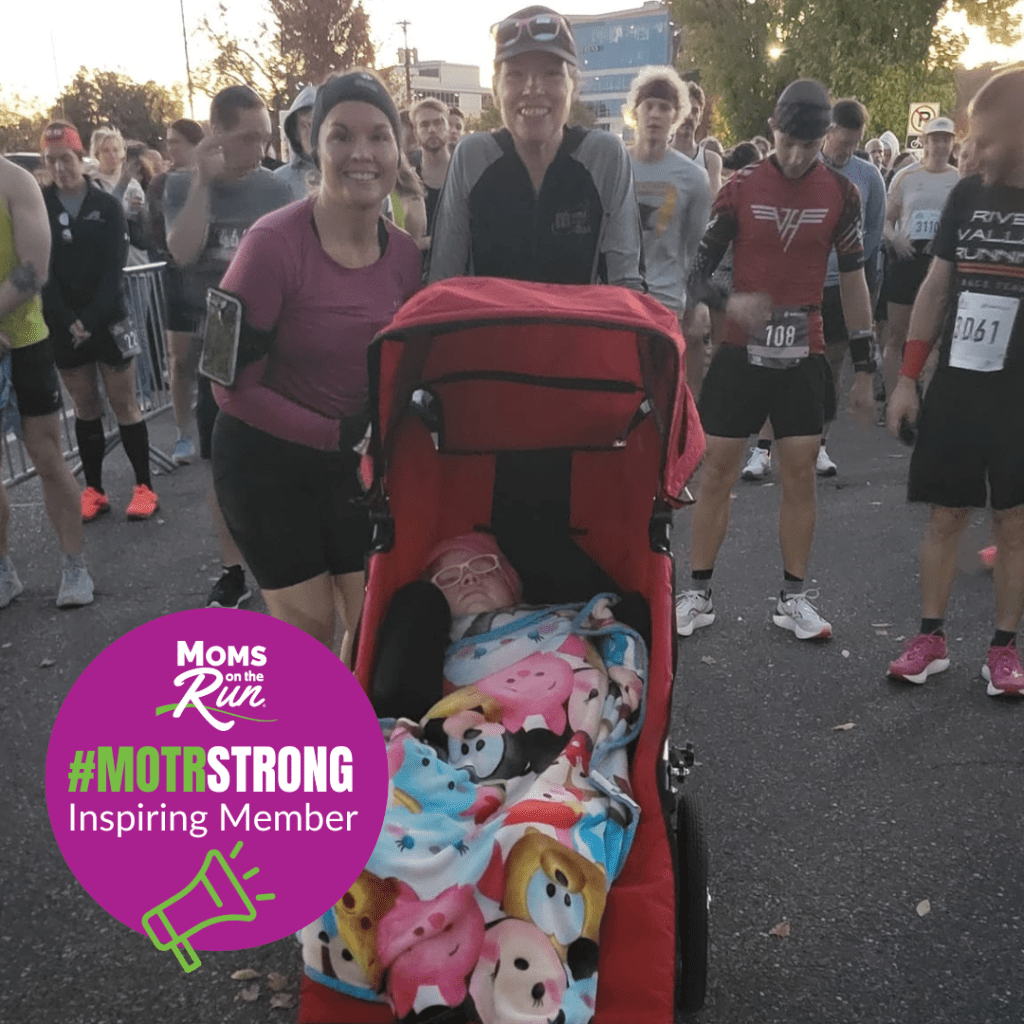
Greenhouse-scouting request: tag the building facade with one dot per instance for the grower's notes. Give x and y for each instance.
(612, 49)
(457, 85)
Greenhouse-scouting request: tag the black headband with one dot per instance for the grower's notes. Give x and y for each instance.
(358, 86)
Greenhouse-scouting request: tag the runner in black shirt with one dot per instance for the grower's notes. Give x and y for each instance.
(970, 447)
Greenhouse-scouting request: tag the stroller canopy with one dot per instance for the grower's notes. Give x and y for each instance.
(499, 365)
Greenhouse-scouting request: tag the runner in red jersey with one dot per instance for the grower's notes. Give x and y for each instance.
(782, 216)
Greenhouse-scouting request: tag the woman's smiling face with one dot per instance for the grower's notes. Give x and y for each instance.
(534, 92)
(358, 154)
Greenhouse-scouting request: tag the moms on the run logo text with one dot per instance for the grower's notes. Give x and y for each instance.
(229, 672)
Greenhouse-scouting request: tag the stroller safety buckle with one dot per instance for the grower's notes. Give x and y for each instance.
(660, 529)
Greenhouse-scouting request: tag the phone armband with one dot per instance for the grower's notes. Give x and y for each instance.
(229, 343)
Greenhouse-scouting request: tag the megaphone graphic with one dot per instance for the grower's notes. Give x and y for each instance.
(219, 886)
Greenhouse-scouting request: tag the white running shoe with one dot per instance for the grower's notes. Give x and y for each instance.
(758, 465)
(823, 465)
(693, 610)
(796, 613)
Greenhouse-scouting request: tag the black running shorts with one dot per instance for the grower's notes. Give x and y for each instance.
(903, 278)
(290, 508)
(970, 441)
(736, 397)
(99, 348)
(35, 380)
(182, 315)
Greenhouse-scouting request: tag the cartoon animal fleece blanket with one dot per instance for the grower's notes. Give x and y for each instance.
(509, 815)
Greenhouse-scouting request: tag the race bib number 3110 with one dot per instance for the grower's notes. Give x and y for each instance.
(981, 332)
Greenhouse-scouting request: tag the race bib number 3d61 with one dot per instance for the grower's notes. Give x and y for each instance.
(784, 341)
(981, 333)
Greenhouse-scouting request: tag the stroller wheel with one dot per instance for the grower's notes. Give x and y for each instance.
(692, 905)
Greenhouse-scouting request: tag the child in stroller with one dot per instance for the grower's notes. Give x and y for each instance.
(510, 810)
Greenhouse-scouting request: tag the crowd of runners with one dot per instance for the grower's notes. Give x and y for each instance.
(778, 256)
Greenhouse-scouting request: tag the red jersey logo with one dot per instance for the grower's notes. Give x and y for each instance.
(788, 220)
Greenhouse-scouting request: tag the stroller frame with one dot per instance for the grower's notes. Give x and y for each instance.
(473, 368)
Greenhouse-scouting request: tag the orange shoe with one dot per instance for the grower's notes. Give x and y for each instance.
(94, 503)
(143, 504)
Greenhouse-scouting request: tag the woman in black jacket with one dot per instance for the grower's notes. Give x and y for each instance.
(84, 307)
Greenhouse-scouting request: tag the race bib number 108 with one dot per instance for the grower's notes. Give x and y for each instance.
(981, 332)
(785, 341)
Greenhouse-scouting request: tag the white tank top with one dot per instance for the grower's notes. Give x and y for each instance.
(922, 195)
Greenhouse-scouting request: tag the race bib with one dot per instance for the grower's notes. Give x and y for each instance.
(923, 225)
(784, 341)
(982, 331)
(126, 338)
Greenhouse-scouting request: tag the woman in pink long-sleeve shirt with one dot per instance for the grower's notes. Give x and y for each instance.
(320, 277)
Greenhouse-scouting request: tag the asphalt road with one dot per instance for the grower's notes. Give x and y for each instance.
(840, 833)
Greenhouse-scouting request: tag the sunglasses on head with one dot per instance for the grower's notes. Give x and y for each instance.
(542, 28)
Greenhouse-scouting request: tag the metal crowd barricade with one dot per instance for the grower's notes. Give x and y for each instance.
(144, 295)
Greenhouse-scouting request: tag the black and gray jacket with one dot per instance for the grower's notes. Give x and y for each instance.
(583, 227)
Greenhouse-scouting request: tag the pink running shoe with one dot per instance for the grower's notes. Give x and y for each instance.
(1003, 673)
(988, 556)
(922, 657)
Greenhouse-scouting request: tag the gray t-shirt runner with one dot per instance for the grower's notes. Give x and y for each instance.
(675, 204)
(234, 207)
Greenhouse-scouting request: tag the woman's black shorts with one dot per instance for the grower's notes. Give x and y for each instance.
(736, 397)
(970, 441)
(35, 380)
(903, 278)
(100, 348)
(290, 508)
(182, 314)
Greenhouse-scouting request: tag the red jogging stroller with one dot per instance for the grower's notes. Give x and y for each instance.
(469, 371)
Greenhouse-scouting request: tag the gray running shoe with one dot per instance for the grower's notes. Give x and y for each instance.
(184, 451)
(796, 613)
(693, 610)
(10, 585)
(75, 586)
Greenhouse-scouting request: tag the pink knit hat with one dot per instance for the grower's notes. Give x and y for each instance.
(473, 544)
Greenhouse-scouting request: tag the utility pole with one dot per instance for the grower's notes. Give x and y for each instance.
(188, 69)
(408, 74)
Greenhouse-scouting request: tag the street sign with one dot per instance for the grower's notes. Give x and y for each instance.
(920, 115)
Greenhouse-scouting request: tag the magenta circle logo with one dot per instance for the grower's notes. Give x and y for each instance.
(216, 780)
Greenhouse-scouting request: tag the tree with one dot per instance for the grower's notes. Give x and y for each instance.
(301, 41)
(21, 124)
(96, 99)
(887, 54)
